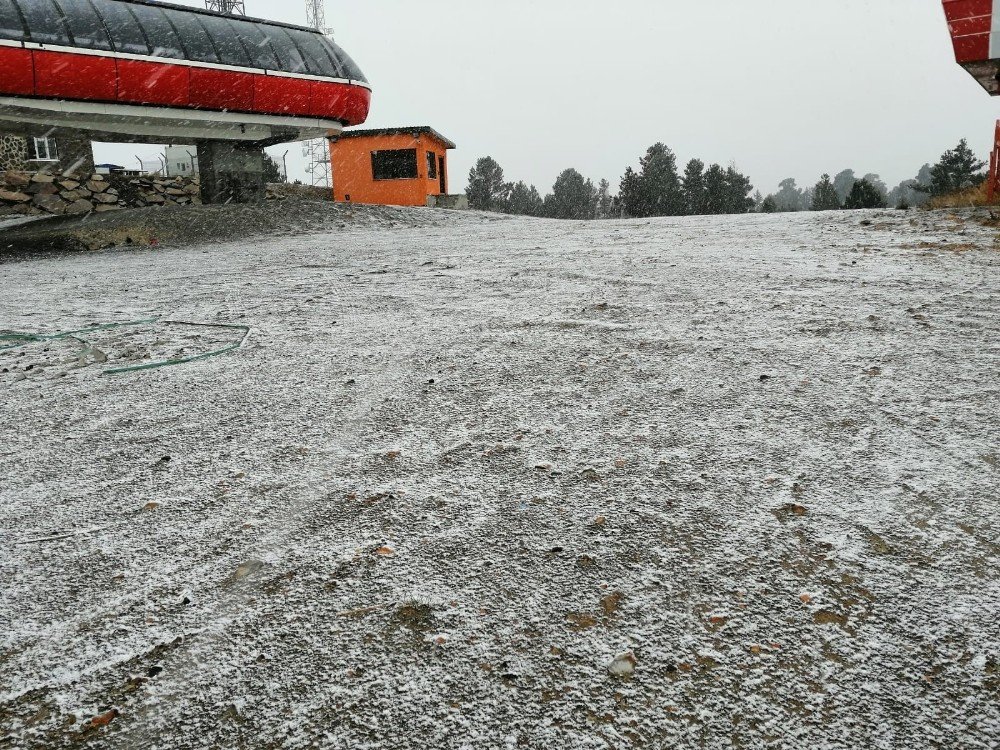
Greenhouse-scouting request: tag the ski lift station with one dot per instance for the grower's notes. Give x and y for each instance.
(150, 72)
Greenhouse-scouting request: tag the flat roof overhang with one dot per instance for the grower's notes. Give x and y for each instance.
(128, 123)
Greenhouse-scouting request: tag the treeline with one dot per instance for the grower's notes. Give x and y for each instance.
(957, 169)
(657, 189)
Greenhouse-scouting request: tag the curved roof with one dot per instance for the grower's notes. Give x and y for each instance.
(161, 30)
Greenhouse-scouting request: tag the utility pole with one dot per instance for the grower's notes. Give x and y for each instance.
(229, 7)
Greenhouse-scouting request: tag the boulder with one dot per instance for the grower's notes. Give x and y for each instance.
(16, 179)
(51, 203)
(42, 188)
(80, 207)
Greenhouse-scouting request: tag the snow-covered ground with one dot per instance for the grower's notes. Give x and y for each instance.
(456, 470)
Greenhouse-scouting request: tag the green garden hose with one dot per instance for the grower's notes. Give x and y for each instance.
(21, 339)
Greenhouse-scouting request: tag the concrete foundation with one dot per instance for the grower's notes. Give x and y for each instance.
(231, 172)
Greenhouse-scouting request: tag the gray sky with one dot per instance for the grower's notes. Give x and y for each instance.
(781, 87)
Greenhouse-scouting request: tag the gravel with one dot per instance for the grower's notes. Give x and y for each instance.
(477, 481)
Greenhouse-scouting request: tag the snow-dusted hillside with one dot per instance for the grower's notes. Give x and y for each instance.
(456, 470)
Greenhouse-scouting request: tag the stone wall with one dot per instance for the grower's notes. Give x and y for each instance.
(73, 193)
(13, 152)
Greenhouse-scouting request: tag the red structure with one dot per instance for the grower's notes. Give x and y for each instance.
(140, 70)
(975, 33)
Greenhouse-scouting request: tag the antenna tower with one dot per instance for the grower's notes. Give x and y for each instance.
(317, 151)
(229, 7)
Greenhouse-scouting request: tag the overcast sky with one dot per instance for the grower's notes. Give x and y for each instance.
(780, 87)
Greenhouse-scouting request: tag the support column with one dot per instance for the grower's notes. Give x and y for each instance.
(231, 172)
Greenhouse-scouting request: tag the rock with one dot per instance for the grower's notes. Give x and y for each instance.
(69, 195)
(51, 203)
(80, 206)
(96, 186)
(97, 177)
(623, 665)
(175, 191)
(16, 179)
(42, 188)
(104, 208)
(69, 184)
(106, 198)
(103, 719)
(192, 189)
(43, 177)
(15, 196)
(245, 570)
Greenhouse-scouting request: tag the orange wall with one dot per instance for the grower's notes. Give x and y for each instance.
(351, 163)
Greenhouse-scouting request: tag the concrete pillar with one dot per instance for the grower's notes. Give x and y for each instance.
(231, 172)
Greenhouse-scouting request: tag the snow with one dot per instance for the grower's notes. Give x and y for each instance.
(355, 546)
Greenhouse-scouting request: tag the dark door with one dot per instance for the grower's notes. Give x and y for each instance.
(444, 183)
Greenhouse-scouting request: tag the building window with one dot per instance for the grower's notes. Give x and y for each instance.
(396, 164)
(432, 165)
(45, 150)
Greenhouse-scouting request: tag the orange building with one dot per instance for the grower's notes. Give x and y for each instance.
(391, 166)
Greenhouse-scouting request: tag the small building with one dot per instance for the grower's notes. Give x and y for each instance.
(45, 154)
(181, 161)
(391, 167)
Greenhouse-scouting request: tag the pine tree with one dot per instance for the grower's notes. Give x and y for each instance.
(715, 190)
(825, 195)
(843, 183)
(693, 186)
(659, 186)
(604, 200)
(865, 195)
(957, 170)
(272, 172)
(524, 200)
(572, 197)
(487, 190)
(769, 205)
(737, 192)
(789, 197)
(628, 193)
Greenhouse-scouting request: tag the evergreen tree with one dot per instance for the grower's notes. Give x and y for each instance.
(272, 171)
(604, 200)
(660, 184)
(825, 195)
(715, 190)
(769, 205)
(737, 192)
(757, 200)
(843, 183)
(572, 197)
(876, 181)
(524, 200)
(693, 186)
(487, 190)
(657, 187)
(789, 197)
(957, 170)
(628, 193)
(865, 195)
